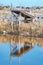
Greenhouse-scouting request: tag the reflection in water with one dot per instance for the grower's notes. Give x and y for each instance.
(26, 43)
(23, 39)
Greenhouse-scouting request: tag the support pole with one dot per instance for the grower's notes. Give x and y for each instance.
(19, 34)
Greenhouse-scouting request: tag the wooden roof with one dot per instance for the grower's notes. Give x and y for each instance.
(24, 14)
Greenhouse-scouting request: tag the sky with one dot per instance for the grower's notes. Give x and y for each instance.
(22, 2)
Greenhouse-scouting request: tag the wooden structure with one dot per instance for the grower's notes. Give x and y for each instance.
(27, 17)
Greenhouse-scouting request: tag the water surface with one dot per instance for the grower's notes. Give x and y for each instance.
(33, 56)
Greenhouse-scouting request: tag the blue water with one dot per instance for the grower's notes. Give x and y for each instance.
(32, 57)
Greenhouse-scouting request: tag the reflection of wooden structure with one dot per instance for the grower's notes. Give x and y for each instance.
(24, 40)
(22, 50)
